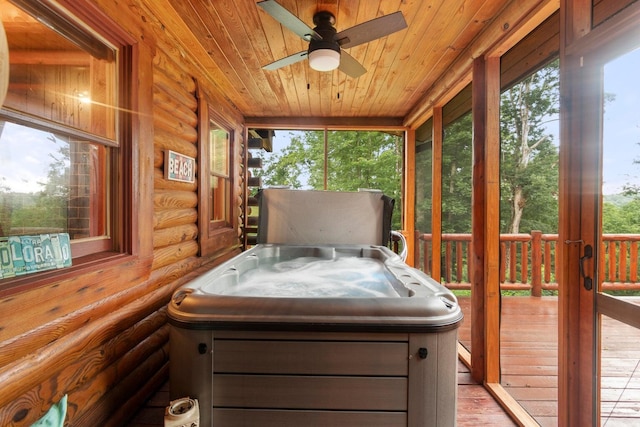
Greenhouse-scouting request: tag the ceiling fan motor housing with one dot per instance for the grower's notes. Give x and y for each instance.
(324, 22)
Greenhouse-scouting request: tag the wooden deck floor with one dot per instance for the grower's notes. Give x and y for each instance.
(529, 361)
(529, 371)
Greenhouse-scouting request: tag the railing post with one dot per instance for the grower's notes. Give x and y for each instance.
(416, 251)
(536, 263)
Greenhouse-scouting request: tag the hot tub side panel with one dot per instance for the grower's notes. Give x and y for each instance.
(433, 379)
(317, 379)
(191, 358)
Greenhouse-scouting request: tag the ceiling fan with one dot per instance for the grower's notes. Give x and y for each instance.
(325, 43)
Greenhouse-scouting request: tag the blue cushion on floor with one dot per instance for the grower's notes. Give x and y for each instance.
(55, 415)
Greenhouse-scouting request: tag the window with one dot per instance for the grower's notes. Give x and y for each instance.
(216, 150)
(219, 185)
(59, 130)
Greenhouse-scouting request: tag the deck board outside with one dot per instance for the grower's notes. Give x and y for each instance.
(529, 351)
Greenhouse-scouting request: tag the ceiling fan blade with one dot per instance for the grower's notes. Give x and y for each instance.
(291, 59)
(371, 30)
(350, 66)
(288, 20)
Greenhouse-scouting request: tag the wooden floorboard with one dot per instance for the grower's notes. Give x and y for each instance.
(476, 407)
(529, 357)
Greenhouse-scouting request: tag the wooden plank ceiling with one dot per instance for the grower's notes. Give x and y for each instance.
(236, 38)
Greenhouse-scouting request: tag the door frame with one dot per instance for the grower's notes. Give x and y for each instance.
(581, 60)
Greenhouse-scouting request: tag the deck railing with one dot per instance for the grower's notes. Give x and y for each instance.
(528, 262)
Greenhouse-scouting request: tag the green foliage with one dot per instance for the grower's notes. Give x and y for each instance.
(623, 218)
(457, 176)
(423, 190)
(631, 189)
(529, 158)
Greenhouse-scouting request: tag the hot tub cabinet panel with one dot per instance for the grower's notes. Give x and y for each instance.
(278, 418)
(368, 347)
(289, 378)
(308, 357)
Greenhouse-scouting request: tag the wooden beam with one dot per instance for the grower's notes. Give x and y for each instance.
(142, 156)
(409, 193)
(620, 310)
(478, 208)
(518, 29)
(575, 20)
(319, 123)
(436, 193)
(492, 220)
(512, 406)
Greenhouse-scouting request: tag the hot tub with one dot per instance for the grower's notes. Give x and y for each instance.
(316, 335)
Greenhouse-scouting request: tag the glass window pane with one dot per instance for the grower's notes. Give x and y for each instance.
(219, 198)
(529, 226)
(219, 144)
(366, 160)
(456, 214)
(51, 183)
(619, 373)
(51, 77)
(423, 199)
(219, 180)
(619, 269)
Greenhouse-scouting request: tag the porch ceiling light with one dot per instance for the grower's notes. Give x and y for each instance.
(324, 59)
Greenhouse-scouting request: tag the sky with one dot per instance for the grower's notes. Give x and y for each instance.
(622, 124)
(25, 156)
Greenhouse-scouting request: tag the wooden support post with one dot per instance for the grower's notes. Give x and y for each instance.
(436, 196)
(409, 203)
(536, 263)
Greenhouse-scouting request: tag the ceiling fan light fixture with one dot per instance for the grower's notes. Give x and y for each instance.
(324, 59)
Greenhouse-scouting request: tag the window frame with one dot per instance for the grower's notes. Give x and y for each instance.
(214, 236)
(125, 257)
(62, 22)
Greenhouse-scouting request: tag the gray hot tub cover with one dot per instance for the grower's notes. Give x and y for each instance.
(300, 217)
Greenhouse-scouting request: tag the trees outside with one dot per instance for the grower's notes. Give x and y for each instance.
(620, 215)
(424, 161)
(620, 212)
(529, 162)
(632, 189)
(457, 151)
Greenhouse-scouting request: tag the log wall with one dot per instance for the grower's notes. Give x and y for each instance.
(100, 334)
